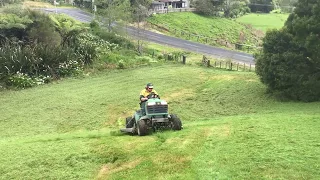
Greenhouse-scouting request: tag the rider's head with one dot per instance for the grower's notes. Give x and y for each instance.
(149, 87)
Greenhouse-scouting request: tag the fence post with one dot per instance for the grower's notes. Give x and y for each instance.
(220, 64)
(215, 63)
(183, 59)
(250, 68)
(231, 66)
(208, 63)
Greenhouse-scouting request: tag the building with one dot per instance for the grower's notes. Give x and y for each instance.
(164, 4)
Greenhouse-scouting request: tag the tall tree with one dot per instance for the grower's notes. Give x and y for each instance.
(290, 61)
(139, 13)
(209, 7)
(113, 10)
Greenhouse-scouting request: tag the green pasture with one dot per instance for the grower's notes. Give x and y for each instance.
(69, 129)
(264, 21)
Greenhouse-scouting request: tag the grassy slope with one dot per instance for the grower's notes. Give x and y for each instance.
(264, 21)
(232, 130)
(217, 28)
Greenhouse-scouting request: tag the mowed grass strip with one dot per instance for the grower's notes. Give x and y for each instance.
(232, 129)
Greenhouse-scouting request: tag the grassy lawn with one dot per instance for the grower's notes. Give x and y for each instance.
(232, 129)
(264, 21)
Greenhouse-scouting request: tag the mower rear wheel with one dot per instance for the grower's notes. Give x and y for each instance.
(142, 128)
(176, 123)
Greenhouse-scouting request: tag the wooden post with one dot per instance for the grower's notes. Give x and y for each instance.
(250, 68)
(220, 64)
(208, 63)
(231, 66)
(215, 63)
(183, 59)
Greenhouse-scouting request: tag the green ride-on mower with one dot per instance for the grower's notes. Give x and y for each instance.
(152, 116)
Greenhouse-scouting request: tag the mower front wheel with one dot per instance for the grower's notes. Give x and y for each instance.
(176, 123)
(142, 128)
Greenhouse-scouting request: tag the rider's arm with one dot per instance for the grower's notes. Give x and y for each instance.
(142, 98)
(155, 92)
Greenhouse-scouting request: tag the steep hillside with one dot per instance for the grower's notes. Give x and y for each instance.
(211, 30)
(232, 129)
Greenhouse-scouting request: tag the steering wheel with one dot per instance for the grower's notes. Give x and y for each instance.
(153, 95)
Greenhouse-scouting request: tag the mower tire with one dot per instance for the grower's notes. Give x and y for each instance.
(142, 128)
(176, 123)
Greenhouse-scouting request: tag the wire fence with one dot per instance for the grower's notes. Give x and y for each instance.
(228, 65)
(211, 63)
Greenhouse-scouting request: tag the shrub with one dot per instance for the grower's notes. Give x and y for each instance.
(21, 80)
(121, 64)
(70, 68)
(285, 69)
(89, 47)
(114, 38)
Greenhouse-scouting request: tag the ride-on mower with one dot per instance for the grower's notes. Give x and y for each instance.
(152, 116)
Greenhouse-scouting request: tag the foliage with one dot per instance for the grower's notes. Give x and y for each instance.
(70, 68)
(235, 9)
(89, 47)
(209, 7)
(290, 61)
(36, 61)
(114, 38)
(113, 10)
